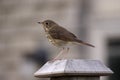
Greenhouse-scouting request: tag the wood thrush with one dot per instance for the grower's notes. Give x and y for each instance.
(60, 36)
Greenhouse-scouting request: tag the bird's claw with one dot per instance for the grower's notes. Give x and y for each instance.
(53, 60)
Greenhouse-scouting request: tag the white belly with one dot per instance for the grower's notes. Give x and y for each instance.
(56, 42)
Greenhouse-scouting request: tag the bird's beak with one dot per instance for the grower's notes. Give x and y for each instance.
(39, 22)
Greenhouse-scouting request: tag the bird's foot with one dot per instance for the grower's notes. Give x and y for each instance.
(62, 52)
(53, 60)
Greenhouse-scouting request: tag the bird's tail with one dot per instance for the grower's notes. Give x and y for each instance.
(81, 42)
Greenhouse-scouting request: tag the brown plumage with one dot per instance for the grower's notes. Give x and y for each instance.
(61, 33)
(60, 36)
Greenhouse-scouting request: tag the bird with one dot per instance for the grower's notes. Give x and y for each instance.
(60, 37)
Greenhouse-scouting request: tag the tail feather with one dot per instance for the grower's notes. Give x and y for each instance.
(81, 42)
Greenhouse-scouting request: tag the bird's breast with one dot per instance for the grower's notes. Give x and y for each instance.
(55, 42)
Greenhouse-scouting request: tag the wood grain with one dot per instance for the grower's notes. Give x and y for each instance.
(73, 67)
(75, 78)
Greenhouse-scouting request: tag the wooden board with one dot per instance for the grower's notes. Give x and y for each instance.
(73, 67)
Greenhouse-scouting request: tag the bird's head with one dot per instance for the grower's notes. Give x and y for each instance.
(48, 24)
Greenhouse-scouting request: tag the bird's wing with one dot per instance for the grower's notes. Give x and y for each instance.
(62, 34)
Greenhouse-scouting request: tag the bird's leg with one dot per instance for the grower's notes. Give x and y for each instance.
(66, 51)
(60, 53)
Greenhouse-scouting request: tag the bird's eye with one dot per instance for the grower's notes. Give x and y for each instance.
(46, 23)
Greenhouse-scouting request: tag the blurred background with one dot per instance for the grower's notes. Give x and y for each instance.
(24, 47)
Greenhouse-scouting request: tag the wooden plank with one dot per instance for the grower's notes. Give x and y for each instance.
(73, 67)
(75, 78)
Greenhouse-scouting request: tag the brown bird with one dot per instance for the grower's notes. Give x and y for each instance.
(60, 36)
